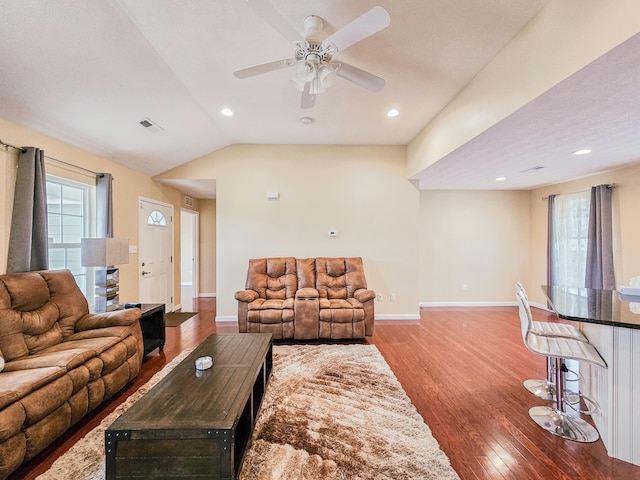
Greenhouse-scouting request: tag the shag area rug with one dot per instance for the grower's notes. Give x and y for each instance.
(329, 412)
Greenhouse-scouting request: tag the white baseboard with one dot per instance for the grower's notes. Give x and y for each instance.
(480, 304)
(177, 307)
(397, 316)
(467, 304)
(226, 318)
(207, 295)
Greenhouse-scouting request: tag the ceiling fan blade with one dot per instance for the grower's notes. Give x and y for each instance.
(362, 27)
(275, 19)
(264, 68)
(308, 100)
(360, 77)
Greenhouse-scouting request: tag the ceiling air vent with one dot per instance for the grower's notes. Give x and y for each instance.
(188, 201)
(151, 126)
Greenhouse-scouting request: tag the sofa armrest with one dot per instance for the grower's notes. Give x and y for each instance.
(246, 295)
(116, 318)
(363, 295)
(307, 293)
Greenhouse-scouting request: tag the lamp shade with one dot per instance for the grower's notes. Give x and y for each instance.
(104, 252)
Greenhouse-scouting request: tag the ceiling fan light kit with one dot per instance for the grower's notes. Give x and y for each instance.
(315, 68)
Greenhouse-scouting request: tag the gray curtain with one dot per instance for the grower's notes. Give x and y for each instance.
(599, 272)
(104, 205)
(550, 235)
(28, 239)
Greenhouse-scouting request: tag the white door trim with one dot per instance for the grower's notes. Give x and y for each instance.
(195, 235)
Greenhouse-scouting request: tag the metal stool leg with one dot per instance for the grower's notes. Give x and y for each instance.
(556, 421)
(543, 388)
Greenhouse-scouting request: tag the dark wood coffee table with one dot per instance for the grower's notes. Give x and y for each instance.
(194, 424)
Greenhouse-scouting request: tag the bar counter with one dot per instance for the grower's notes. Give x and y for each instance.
(606, 307)
(611, 322)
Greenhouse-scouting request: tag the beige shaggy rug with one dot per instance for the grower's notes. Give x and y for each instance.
(330, 412)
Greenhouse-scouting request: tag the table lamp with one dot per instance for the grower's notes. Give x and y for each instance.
(105, 253)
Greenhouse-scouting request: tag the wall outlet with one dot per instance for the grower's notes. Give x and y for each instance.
(379, 297)
(393, 297)
(464, 287)
(333, 233)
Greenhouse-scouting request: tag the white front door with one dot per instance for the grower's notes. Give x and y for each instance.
(155, 238)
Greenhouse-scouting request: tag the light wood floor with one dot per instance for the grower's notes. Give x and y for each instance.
(463, 370)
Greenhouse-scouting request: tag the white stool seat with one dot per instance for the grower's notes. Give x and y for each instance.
(553, 329)
(566, 348)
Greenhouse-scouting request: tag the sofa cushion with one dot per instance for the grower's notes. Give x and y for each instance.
(1, 361)
(67, 359)
(38, 310)
(273, 278)
(94, 345)
(120, 332)
(262, 304)
(11, 339)
(340, 303)
(16, 385)
(339, 277)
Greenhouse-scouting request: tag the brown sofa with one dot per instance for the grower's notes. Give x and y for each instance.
(306, 299)
(57, 361)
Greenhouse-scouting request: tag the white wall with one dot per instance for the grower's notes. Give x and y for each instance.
(626, 198)
(127, 185)
(543, 54)
(478, 240)
(360, 191)
(8, 162)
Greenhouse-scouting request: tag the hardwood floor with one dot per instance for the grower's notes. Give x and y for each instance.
(463, 370)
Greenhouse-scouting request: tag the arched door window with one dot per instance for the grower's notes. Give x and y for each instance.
(156, 218)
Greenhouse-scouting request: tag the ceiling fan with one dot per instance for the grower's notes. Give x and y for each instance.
(314, 50)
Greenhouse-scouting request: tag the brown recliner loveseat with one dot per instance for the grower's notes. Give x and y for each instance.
(306, 299)
(57, 361)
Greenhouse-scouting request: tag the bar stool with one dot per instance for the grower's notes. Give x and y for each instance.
(554, 419)
(539, 387)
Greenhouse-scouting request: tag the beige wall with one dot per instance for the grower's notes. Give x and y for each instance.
(8, 159)
(544, 53)
(128, 185)
(626, 198)
(473, 239)
(207, 267)
(360, 191)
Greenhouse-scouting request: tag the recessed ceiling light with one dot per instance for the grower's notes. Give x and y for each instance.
(583, 151)
(227, 112)
(500, 179)
(306, 120)
(393, 112)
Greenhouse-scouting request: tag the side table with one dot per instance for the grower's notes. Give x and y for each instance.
(152, 324)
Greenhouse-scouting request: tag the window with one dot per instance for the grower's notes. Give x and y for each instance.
(571, 228)
(156, 218)
(70, 207)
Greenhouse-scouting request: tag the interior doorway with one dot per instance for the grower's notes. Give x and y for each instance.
(189, 258)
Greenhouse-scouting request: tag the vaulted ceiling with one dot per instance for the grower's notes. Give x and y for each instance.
(87, 73)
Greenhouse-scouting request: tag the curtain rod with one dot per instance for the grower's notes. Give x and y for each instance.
(22, 149)
(72, 165)
(608, 185)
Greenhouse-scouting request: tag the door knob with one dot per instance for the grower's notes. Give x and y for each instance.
(145, 273)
